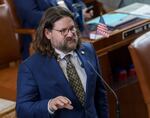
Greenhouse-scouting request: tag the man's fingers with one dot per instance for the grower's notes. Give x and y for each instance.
(65, 103)
(65, 100)
(60, 102)
(53, 107)
(68, 106)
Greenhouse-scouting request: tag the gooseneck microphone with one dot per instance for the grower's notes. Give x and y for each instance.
(109, 88)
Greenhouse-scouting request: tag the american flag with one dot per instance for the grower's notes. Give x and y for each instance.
(102, 28)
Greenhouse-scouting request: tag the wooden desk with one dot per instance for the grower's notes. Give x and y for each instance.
(112, 52)
(115, 41)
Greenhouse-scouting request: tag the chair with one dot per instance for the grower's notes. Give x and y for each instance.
(1, 2)
(140, 54)
(17, 23)
(15, 20)
(9, 45)
(9, 55)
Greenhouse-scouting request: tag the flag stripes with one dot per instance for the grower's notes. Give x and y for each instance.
(102, 28)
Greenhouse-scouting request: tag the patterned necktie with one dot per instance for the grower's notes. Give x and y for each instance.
(74, 80)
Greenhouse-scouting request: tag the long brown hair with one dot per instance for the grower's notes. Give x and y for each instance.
(51, 15)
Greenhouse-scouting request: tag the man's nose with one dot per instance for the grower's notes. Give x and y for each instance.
(70, 33)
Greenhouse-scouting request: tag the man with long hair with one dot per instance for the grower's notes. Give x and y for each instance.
(58, 81)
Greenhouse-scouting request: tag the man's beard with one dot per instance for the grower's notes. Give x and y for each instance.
(69, 45)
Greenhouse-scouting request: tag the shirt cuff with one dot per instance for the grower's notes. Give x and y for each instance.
(49, 110)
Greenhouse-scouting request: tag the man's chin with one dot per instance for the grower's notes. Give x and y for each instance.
(70, 48)
(72, 45)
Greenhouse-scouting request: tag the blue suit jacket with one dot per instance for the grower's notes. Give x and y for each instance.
(31, 11)
(41, 78)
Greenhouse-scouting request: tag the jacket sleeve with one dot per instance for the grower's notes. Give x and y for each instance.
(28, 103)
(81, 3)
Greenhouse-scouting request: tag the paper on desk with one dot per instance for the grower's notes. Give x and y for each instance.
(139, 10)
(5, 105)
(95, 36)
(142, 12)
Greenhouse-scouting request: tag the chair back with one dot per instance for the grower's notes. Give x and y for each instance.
(12, 9)
(140, 54)
(20, 31)
(9, 45)
(1, 1)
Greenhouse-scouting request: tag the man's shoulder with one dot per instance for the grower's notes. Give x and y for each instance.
(35, 59)
(86, 46)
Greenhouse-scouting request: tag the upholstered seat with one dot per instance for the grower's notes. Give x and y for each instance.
(9, 57)
(16, 22)
(140, 53)
(9, 45)
(1, 2)
(15, 19)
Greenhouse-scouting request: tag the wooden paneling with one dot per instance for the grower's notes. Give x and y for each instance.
(8, 82)
(131, 102)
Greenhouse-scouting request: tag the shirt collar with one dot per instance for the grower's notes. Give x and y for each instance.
(61, 54)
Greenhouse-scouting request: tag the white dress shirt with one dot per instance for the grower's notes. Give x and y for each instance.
(76, 62)
(78, 65)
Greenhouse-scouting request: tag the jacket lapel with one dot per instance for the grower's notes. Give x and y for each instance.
(83, 55)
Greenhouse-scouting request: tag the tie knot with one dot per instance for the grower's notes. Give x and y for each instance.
(67, 57)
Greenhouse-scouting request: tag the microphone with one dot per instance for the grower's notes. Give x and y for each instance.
(110, 89)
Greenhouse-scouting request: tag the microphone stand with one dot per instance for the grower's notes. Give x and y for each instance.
(115, 95)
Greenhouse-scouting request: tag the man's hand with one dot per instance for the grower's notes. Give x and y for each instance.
(87, 15)
(59, 103)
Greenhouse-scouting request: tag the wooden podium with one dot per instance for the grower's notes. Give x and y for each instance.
(113, 52)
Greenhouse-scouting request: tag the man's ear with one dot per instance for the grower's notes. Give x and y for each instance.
(47, 33)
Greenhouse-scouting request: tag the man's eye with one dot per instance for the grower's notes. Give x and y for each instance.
(63, 30)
